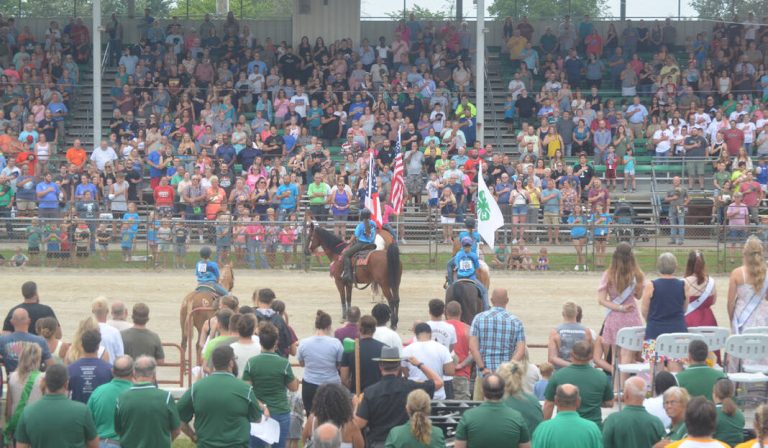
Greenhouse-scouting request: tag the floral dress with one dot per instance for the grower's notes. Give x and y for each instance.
(615, 321)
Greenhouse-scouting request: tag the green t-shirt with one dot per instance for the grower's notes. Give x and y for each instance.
(223, 408)
(34, 236)
(5, 196)
(401, 437)
(315, 188)
(721, 177)
(215, 342)
(529, 407)
(102, 406)
(678, 432)
(699, 380)
(567, 429)
(145, 416)
(492, 424)
(56, 422)
(633, 427)
(730, 428)
(270, 373)
(594, 389)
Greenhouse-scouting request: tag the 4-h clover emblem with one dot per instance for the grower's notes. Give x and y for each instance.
(483, 208)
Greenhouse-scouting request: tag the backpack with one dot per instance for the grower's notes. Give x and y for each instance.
(283, 333)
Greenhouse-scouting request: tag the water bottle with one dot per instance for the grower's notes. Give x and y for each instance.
(13, 212)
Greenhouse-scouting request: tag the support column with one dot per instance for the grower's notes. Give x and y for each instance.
(459, 10)
(97, 55)
(480, 71)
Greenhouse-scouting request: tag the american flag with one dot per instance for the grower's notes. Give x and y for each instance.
(398, 183)
(372, 202)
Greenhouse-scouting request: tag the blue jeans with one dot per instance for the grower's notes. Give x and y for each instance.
(108, 444)
(677, 224)
(252, 248)
(284, 420)
(220, 290)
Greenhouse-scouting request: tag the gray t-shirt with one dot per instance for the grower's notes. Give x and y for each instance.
(321, 356)
(415, 162)
(552, 205)
(570, 334)
(681, 194)
(699, 150)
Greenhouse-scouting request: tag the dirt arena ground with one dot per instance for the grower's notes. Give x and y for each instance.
(534, 297)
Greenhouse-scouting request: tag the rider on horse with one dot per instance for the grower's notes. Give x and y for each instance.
(467, 265)
(207, 273)
(474, 236)
(364, 239)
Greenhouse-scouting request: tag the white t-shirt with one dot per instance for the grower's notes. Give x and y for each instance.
(701, 120)
(431, 353)
(665, 145)
(388, 337)
(748, 129)
(300, 103)
(244, 352)
(515, 87)
(112, 341)
(694, 443)
(655, 407)
(102, 156)
(443, 332)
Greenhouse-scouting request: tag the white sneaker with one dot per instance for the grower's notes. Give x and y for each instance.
(402, 241)
(514, 241)
(586, 268)
(576, 268)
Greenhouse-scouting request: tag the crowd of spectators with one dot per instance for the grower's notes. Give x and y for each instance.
(212, 124)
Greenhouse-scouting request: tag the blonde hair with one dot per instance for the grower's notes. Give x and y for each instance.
(761, 424)
(754, 262)
(419, 407)
(29, 361)
(678, 392)
(512, 373)
(76, 350)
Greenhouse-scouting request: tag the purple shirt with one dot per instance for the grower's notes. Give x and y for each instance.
(347, 331)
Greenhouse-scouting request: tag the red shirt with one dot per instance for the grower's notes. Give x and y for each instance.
(461, 348)
(751, 193)
(163, 196)
(27, 158)
(734, 139)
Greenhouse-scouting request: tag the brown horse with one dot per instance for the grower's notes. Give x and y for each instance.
(483, 274)
(384, 269)
(468, 296)
(202, 299)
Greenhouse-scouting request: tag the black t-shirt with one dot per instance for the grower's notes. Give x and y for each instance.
(369, 370)
(526, 106)
(383, 403)
(586, 175)
(330, 130)
(133, 192)
(386, 155)
(35, 310)
(290, 65)
(48, 128)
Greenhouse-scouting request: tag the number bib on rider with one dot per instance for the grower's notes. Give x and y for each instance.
(465, 265)
(202, 268)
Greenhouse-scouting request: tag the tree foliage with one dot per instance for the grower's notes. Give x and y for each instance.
(420, 13)
(718, 9)
(547, 9)
(251, 9)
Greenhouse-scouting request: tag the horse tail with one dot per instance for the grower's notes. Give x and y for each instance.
(393, 267)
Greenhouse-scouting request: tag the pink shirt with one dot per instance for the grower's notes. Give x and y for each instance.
(737, 215)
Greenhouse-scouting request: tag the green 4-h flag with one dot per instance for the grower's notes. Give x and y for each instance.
(489, 217)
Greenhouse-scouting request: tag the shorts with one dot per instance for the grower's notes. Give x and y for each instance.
(103, 246)
(520, 210)
(737, 235)
(695, 167)
(117, 214)
(180, 250)
(33, 250)
(432, 202)
(629, 172)
(286, 248)
(551, 219)
(165, 247)
(447, 220)
(610, 173)
(82, 252)
(24, 205)
(414, 183)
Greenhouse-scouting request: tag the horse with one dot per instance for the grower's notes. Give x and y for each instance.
(202, 299)
(383, 269)
(469, 298)
(483, 274)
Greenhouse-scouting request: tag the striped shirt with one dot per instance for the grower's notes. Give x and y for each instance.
(498, 333)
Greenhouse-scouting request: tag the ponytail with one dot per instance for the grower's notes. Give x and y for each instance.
(761, 424)
(421, 427)
(367, 226)
(724, 391)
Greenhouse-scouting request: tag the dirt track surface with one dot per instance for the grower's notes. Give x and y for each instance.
(535, 297)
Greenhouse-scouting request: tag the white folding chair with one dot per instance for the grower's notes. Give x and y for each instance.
(755, 330)
(672, 345)
(748, 347)
(631, 339)
(714, 337)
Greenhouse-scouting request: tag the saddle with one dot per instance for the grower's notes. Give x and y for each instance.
(206, 288)
(361, 258)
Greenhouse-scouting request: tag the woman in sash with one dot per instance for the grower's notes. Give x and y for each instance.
(702, 290)
(620, 288)
(747, 304)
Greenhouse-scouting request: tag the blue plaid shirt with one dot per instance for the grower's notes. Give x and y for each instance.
(499, 333)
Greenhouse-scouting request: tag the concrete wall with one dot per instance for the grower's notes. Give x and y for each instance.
(341, 18)
(331, 19)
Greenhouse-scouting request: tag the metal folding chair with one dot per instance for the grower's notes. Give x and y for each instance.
(629, 338)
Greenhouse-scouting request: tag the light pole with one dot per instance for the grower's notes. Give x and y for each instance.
(480, 70)
(96, 32)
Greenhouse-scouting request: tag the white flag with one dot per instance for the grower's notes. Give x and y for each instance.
(489, 217)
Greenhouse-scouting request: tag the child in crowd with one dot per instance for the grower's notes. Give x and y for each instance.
(18, 260)
(611, 163)
(180, 244)
(546, 369)
(500, 257)
(287, 238)
(433, 191)
(82, 240)
(34, 238)
(509, 112)
(543, 262)
(223, 234)
(103, 237)
(527, 260)
(297, 418)
(629, 170)
(52, 242)
(165, 240)
(126, 241)
(152, 225)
